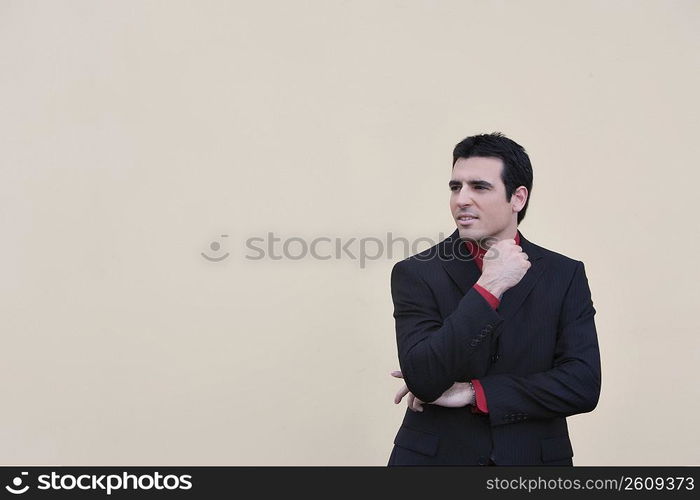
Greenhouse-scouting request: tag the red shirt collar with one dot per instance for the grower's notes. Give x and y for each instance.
(477, 252)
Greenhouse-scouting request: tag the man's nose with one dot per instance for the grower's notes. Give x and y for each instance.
(464, 198)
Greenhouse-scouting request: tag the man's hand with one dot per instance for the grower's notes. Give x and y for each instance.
(460, 394)
(504, 266)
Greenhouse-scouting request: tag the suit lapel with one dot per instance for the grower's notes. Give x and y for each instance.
(458, 263)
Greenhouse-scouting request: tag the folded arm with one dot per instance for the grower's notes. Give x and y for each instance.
(435, 352)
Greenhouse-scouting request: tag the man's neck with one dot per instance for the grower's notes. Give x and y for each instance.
(486, 242)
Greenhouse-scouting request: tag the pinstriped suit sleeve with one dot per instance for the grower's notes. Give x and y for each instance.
(435, 352)
(572, 385)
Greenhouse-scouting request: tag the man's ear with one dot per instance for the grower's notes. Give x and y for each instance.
(519, 198)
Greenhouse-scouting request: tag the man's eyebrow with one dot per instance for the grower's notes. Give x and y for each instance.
(472, 182)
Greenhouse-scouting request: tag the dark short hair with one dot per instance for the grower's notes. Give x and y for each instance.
(517, 170)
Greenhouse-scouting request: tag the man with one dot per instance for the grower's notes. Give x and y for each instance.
(496, 338)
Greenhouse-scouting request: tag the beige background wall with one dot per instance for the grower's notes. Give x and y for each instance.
(134, 134)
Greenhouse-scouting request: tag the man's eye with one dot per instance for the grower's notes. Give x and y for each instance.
(479, 187)
(455, 187)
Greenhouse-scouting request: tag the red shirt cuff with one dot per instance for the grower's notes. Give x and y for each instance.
(490, 298)
(480, 397)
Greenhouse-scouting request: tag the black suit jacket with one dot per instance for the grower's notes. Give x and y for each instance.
(536, 357)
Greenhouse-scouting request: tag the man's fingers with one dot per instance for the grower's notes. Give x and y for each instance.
(414, 403)
(399, 395)
(417, 404)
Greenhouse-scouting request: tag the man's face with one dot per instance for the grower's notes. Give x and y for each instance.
(478, 200)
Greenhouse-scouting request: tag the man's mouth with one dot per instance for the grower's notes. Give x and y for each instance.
(466, 219)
